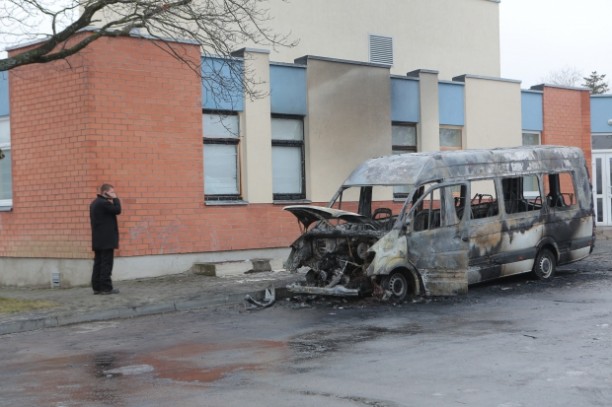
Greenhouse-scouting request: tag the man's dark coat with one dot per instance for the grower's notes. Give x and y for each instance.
(104, 229)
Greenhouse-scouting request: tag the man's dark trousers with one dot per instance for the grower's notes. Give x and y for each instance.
(102, 269)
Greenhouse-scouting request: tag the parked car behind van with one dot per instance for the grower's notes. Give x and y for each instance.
(430, 224)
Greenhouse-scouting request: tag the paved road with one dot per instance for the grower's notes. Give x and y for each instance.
(512, 343)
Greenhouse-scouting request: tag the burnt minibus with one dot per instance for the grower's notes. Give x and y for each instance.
(430, 224)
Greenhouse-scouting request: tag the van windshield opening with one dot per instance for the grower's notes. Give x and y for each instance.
(372, 201)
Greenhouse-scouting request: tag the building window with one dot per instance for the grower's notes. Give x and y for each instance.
(381, 50)
(531, 183)
(602, 141)
(404, 139)
(6, 175)
(288, 158)
(221, 156)
(531, 139)
(450, 138)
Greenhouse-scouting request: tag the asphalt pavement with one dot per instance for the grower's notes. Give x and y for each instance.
(229, 287)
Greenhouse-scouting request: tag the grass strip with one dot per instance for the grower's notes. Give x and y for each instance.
(12, 305)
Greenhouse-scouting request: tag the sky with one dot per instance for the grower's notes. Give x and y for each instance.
(538, 37)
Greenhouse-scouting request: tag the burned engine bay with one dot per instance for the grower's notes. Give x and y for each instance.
(333, 248)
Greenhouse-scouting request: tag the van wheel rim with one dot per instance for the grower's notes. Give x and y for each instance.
(397, 285)
(546, 267)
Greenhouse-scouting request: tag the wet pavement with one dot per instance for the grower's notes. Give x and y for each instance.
(513, 342)
(187, 291)
(179, 292)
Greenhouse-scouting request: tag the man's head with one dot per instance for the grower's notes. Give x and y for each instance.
(106, 188)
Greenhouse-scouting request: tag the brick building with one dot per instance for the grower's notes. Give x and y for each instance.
(126, 112)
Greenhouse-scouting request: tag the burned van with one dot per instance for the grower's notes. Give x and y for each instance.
(428, 224)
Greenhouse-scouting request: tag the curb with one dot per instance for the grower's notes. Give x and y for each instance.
(54, 321)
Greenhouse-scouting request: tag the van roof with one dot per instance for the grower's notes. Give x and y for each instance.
(416, 168)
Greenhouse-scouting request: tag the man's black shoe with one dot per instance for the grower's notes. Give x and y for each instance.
(97, 292)
(113, 291)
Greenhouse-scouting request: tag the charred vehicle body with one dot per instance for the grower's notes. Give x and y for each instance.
(427, 224)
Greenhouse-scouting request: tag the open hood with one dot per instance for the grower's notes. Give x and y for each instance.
(307, 214)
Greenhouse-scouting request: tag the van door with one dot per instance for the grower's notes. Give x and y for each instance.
(525, 220)
(438, 240)
(568, 225)
(485, 231)
(504, 232)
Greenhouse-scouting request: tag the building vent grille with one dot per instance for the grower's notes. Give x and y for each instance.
(381, 50)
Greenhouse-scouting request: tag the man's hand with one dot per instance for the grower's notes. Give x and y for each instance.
(110, 194)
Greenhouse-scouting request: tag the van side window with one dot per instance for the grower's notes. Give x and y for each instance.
(560, 191)
(428, 212)
(521, 194)
(461, 199)
(483, 203)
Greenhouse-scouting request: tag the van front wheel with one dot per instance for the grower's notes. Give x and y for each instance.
(544, 266)
(397, 285)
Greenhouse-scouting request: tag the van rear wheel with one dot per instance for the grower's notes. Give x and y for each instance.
(544, 266)
(397, 284)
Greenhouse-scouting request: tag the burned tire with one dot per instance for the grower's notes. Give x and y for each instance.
(397, 284)
(544, 266)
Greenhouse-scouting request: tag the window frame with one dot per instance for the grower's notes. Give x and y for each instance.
(484, 196)
(570, 175)
(6, 204)
(403, 149)
(531, 133)
(293, 144)
(224, 141)
(447, 148)
(601, 142)
(518, 200)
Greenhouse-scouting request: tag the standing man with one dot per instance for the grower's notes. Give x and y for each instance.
(103, 213)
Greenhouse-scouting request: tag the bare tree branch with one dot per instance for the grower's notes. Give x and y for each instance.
(218, 26)
(567, 76)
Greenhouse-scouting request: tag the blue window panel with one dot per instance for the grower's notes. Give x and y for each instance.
(451, 102)
(601, 112)
(4, 94)
(288, 90)
(222, 86)
(531, 111)
(405, 105)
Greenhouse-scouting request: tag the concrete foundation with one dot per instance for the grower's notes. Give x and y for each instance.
(25, 272)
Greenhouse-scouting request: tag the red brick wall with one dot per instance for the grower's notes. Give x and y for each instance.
(123, 111)
(567, 119)
(49, 148)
